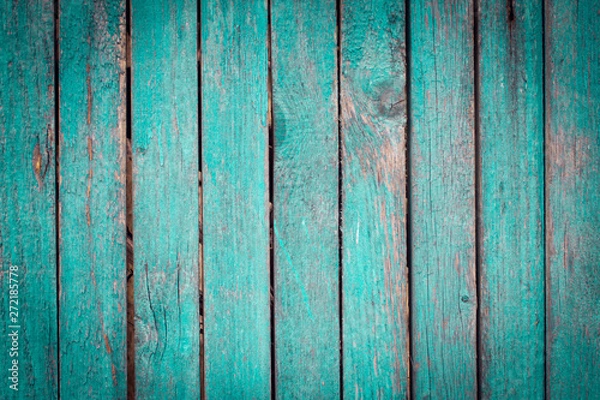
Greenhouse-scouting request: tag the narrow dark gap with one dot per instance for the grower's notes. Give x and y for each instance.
(271, 204)
(478, 237)
(545, 205)
(129, 212)
(340, 193)
(408, 190)
(200, 202)
(57, 180)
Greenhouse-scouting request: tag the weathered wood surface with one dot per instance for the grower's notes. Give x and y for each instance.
(235, 170)
(310, 240)
(373, 132)
(92, 199)
(442, 203)
(512, 197)
(573, 198)
(27, 199)
(305, 193)
(165, 166)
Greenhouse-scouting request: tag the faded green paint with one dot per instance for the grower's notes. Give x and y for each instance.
(305, 192)
(235, 118)
(537, 338)
(92, 199)
(442, 204)
(375, 281)
(512, 198)
(165, 198)
(27, 199)
(573, 198)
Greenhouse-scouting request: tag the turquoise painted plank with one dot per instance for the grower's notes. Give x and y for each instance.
(92, 199)
(235, 170)
(573, 198)
(375, 279)
(305, 197)
(164, 96)
(512, 198)
(27, 201)
(442, 206)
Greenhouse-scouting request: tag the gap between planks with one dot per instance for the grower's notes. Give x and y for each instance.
(478, 198)
(408, 191)
(56, 5)
(129, 212)
(340, 193)
(270, 166)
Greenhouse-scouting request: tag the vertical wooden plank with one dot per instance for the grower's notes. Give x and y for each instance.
(92, 199)
(375, 285)
(164, 79)
(235, 139)
(443, 199)
(304, 58)
(512, 196)
(27, 201)
(573, 197)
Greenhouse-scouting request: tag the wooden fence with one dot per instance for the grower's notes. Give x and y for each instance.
(300, 199)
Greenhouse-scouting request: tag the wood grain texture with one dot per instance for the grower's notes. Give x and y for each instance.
(573, 198)
(165, 139)
(512, 198)
(27, 199)
(235, 139)
(375, 279)
(92, 199)
(443, 199)
(305, 192)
